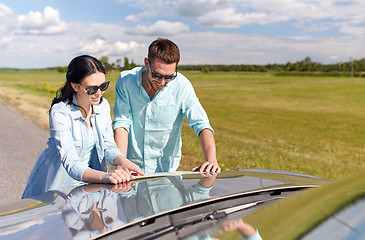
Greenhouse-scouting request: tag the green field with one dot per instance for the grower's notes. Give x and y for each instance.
(306, 124)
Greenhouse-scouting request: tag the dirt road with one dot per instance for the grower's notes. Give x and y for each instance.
(21, 143)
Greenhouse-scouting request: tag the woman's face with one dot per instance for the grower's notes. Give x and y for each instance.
(93, 80)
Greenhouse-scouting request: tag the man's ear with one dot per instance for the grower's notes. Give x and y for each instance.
(75, 86)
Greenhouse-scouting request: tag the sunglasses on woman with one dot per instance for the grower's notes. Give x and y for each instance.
(93, 89)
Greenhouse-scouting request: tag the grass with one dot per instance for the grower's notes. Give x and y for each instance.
(305, 124)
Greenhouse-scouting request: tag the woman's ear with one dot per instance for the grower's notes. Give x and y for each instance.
(75, 86)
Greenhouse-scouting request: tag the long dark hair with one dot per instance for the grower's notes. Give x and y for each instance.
(79, 68)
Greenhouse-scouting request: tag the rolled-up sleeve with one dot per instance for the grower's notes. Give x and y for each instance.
(121, 111)
(195, 114)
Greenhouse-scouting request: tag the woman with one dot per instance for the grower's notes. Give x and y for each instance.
(81, 138)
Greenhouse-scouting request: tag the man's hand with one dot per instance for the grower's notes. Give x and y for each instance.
(123, 163)
(210, 167)
(245, 229)
(207, 143)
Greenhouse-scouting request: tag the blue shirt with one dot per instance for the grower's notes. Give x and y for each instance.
(61, 163)
(154, 126)
(159, 195)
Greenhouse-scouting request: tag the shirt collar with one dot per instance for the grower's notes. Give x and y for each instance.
(139, 76)
(75, 111)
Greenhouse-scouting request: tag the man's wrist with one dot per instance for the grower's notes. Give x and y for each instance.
(212, 161)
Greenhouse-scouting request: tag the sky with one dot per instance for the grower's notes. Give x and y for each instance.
(49, 33)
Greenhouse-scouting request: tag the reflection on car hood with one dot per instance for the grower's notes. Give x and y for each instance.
(92, 210)
(349, 223)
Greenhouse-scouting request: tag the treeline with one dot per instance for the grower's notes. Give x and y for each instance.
(355, 67)
(110, 66)
(307, 65)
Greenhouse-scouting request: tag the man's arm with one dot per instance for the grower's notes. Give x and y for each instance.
(207, 143)
(121, 139)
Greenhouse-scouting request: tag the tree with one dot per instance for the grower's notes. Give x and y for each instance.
(126, 63)
(104, 60)
(119, 62)
(62, 69)
(307, 61)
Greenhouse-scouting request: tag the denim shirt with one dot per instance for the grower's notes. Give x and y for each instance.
(154, 126)
(60, 163)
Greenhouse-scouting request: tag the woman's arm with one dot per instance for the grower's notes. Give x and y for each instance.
(117, 176)
(66, 138)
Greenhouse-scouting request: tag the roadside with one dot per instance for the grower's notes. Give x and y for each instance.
(21, 143)
(25, 117)
(27, 105)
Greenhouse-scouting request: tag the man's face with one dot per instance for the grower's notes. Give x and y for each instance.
(160, 73)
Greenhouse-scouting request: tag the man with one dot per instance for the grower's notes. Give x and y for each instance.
(150, 105)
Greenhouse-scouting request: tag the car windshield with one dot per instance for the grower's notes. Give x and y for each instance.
(349, 223)
(181, 203)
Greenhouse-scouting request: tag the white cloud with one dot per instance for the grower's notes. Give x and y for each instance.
(229, 18)
(5, 11)
(141, 16)
(353, 30)
(5, 42)
(260, 49)
(195, 8)
(307, 15)
(122, 48)
(6, 18)
(160, 28)
(38, 47)
(334, 57)
(100, 47)
(37, 23)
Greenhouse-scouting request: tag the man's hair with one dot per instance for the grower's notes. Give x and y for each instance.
(164, 50)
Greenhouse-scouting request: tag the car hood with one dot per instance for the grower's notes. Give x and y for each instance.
(97, 210)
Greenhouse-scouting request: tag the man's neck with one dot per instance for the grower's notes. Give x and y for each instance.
(147, 85)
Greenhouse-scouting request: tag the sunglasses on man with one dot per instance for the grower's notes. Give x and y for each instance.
(93, 89)
(158, 76)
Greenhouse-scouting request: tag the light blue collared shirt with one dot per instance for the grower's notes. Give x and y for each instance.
(154, 126)
(61, 163)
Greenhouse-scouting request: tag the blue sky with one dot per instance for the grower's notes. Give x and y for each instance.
(40, 33)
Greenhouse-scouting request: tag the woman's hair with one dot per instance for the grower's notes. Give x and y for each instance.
(165, 50)
(79, 68)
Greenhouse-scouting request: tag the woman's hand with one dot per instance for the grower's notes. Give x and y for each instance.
(117, 176)
(122, 187)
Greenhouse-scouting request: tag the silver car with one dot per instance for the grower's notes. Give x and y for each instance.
(181, 205)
